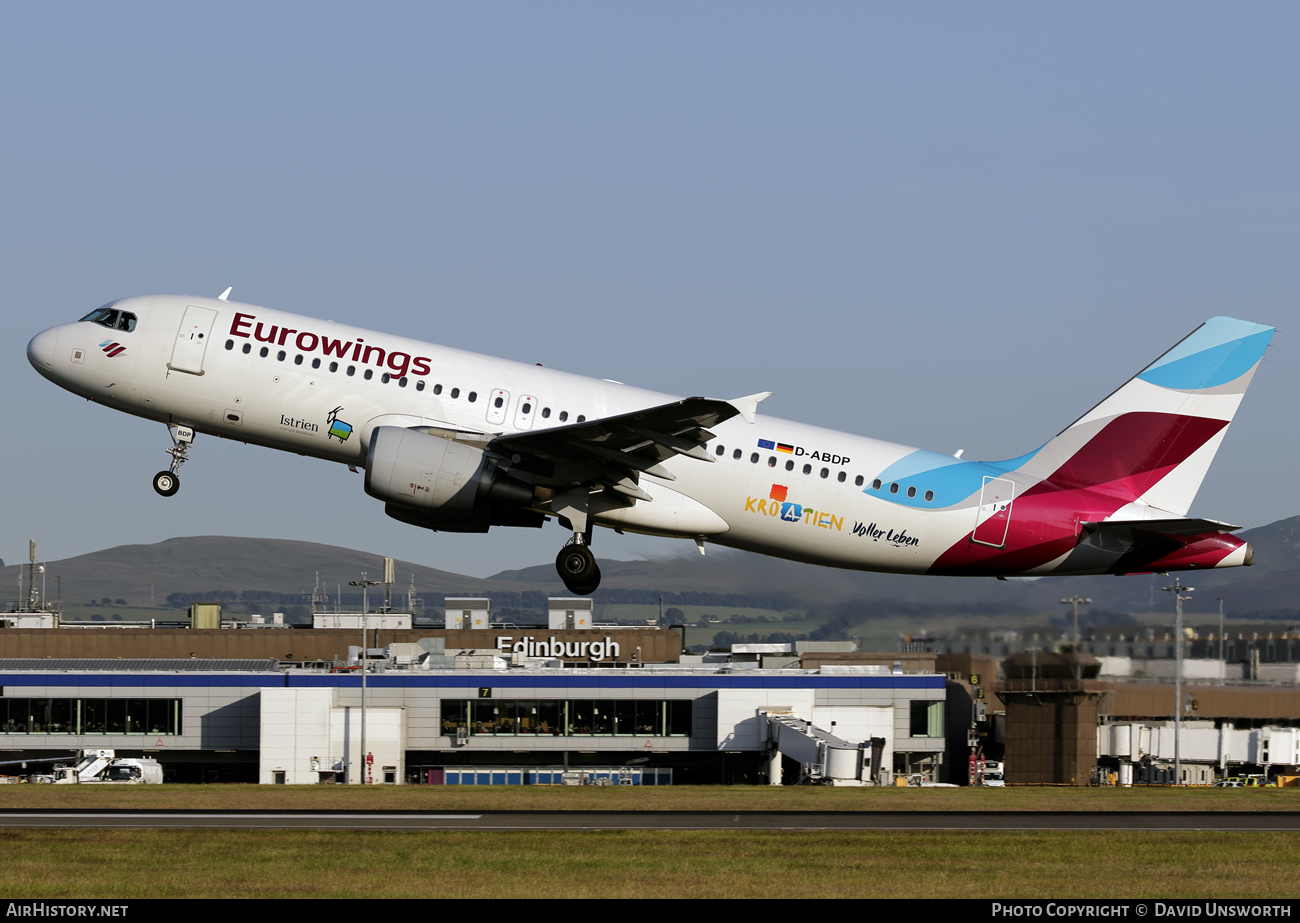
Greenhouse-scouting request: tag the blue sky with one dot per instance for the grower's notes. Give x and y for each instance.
(948, 225)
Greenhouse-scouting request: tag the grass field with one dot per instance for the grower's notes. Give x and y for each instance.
(94, 864)
(101, 864)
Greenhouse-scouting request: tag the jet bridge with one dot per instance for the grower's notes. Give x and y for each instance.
(825, 758)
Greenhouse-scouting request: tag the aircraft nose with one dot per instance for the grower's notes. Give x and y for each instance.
(40, 351)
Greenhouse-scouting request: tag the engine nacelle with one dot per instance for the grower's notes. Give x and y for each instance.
(416, 470)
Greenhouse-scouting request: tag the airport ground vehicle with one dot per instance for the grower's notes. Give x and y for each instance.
(994, 774)
(104, 766)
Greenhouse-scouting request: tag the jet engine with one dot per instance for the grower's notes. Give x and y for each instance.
(442, 484)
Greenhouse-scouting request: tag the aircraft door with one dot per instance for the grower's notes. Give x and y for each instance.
(498, 401)
(192, 340)
(525, 411)
(993, 516)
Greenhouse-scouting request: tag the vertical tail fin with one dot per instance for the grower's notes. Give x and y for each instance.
(1153, 439)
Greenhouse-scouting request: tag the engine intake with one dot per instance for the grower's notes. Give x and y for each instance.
(408, 468)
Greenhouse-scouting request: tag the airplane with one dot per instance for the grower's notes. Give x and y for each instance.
(453, 441)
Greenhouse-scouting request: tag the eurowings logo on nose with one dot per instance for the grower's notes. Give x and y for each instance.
(112, 347)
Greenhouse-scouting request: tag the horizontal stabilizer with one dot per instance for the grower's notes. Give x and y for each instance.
(1135, 530)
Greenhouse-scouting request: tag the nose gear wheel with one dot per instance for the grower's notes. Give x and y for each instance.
(166, 483)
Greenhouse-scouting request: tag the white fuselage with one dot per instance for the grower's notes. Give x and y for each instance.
(1108, 494)
(284, 400)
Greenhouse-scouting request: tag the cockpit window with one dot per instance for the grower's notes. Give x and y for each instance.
(112, 319)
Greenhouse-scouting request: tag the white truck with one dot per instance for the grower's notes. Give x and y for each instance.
(105, 766)
(994, 774)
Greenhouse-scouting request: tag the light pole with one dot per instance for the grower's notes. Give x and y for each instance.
(365, 584)
(1222, 654)
(1178, 589)
(1075, 600)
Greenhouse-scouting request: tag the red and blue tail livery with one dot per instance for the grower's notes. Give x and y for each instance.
(452, 441)
(1110, 493)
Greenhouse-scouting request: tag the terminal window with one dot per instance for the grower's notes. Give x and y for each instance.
(567, 718)
(927, 718)
(90, 716)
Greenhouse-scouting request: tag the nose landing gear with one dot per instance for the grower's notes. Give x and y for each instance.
(166, 483)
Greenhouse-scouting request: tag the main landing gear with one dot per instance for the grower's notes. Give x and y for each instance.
(168, 482)
(577, 567)
(575, 562)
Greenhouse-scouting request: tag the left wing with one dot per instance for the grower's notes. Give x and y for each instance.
(611, 453)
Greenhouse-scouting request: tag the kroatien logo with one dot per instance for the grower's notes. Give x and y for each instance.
(775, 504)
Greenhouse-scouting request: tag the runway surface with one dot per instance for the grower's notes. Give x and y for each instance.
(661, 820)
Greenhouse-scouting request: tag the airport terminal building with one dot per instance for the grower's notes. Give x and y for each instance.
(463, 705)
